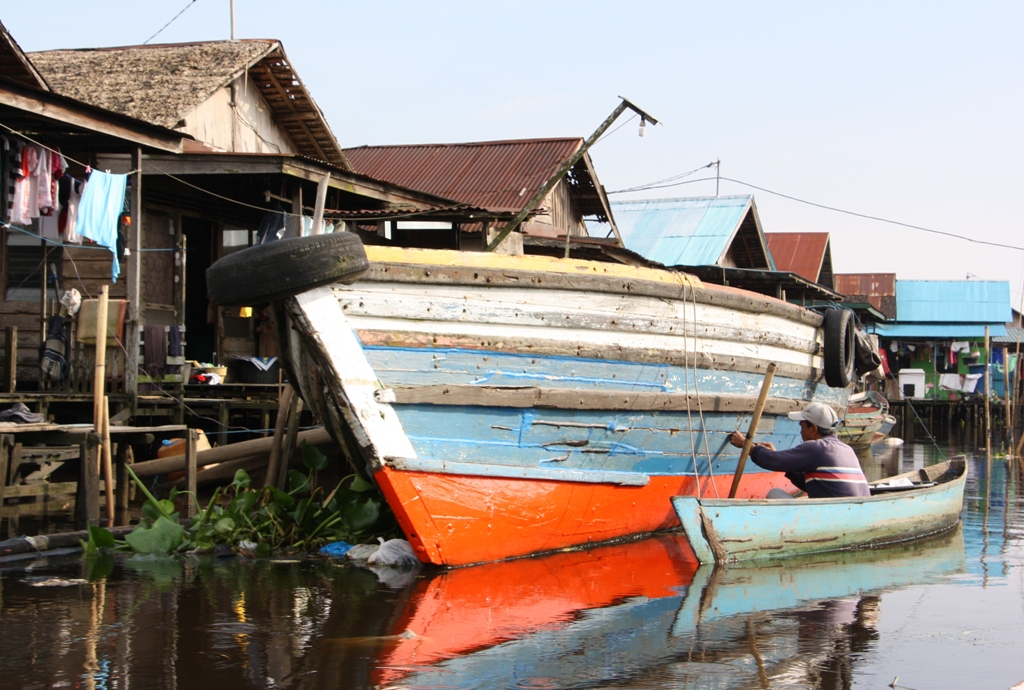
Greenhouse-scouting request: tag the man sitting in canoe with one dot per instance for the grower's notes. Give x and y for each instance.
(822, 465)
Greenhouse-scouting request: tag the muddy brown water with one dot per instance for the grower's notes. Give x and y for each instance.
(945, 612)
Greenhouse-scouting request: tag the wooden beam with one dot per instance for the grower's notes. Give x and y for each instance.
(559, 398)
(42, 106)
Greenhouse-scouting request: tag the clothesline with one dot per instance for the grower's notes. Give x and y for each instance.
(77, 246)
(87, 166)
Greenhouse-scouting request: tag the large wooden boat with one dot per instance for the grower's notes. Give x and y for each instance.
(901, 508)
(513, 405)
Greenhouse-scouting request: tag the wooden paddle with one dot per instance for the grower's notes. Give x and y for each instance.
(754, 421)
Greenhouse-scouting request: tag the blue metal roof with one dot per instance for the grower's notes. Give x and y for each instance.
(694, 231)
(953, 301)
(938, 331)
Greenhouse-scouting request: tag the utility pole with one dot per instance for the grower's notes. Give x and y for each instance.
(550, 184)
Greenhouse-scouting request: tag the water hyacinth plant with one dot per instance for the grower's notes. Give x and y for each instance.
(259, 521)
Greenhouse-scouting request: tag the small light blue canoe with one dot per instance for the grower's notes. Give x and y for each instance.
(729, 530)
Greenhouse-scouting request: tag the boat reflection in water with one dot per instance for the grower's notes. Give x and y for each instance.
(644, 614)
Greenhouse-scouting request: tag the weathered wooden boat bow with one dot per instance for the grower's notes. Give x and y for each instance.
(513, 405)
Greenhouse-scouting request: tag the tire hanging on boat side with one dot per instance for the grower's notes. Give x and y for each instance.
(840, 348)
(286, 267)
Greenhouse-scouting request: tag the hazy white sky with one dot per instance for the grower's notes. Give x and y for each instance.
(909, 111)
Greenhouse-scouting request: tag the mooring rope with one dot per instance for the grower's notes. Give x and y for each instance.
(925, 427)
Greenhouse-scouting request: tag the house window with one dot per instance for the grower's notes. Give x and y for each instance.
(28, 260)
(234, 239)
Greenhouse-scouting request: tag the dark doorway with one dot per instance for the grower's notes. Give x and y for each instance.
(199, 255)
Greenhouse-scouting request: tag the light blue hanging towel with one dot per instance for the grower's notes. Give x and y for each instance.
(99, 210)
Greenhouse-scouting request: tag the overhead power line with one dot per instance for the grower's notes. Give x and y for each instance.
(173, 19)
(661, 184)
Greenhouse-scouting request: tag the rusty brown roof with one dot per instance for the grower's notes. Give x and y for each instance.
(160, 84)
(500, 176)
(877, 289)
(798, 252)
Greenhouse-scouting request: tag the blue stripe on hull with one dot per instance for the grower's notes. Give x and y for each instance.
(652, 443)
(399, 366)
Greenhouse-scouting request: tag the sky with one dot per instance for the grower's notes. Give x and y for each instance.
(911, 111)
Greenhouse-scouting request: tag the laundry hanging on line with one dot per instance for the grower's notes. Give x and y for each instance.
(100, 210)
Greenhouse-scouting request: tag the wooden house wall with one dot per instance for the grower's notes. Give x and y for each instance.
(25, 317)
(246, 128)
(562, 216)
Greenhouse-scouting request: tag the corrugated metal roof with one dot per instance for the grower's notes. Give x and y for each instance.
(938, 331)
(877, 289)
(1013, 335)
(694, 231)
(953, 301)
(500, 176)
(870, 284)
(802, 253)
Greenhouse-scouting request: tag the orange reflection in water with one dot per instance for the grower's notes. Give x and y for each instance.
(466, 609)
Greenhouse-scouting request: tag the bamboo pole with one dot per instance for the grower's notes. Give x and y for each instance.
(258, 446)
(108, 465)
(99, 374)
(99, 397)
(754, 421)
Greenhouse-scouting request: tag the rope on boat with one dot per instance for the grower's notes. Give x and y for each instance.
(696, 388)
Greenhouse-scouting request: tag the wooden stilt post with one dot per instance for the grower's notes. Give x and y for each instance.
(294, 412)
(1007, 402)
(5, 443)
(988, 394)
(283, 406)
(191, 468)
(125, 457)
(11, 359)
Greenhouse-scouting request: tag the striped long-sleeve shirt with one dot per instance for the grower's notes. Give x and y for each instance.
(824, 468)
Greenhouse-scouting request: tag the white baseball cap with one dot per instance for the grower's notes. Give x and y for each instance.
(817, 414)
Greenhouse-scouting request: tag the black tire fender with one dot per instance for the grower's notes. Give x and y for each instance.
(840, 348)
(282, 268)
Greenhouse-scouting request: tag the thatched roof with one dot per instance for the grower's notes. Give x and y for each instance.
(160, 84)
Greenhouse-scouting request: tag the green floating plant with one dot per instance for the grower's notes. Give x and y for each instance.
(260, 521)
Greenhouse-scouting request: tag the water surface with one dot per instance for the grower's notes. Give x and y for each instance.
(941, 613)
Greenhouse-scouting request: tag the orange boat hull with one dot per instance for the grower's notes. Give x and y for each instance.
(459, 520)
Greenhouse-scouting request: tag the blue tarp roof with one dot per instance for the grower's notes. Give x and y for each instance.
(949, 309)
(953, 301)
(682, 232)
